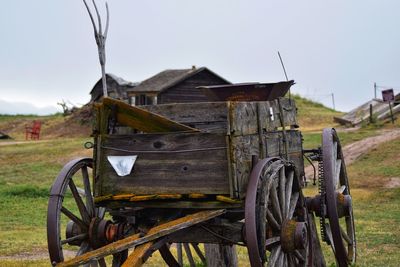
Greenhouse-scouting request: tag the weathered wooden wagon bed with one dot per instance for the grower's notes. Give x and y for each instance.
(226, 172)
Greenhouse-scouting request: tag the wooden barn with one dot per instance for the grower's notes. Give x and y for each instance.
(174, 86)
(116, 86)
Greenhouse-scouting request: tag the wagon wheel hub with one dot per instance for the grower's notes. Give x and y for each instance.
(293, 236)
(344, 204)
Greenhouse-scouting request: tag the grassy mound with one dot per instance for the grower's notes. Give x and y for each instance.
(313, 116)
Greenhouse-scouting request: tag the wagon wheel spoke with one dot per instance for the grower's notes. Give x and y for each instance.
(80, 237)
(100, 212)
(102, 262)
(180, 254)
(288, 193)
(275, 203)
(334, 151)
(298, 255)
(83, 248)
(329, 235)
(78, 200)
(291, 261)
(273, 241)
(189, 255)
(199, 253)
(88, 193)
(74, 218)
(345, 236)
(293, 204)
(338, 165)
(274, 256)
(282, 191)
(272, 221)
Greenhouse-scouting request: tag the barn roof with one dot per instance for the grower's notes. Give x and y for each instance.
(167, 79)
(117, 79)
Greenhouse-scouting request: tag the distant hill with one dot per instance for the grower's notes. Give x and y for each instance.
(314, 116)
(78, 124)
(7, 107)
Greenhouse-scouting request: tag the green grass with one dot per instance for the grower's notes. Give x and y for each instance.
(313, 116)
(314, 139)
(27, 172)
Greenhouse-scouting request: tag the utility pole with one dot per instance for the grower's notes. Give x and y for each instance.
(375, 89)
(333, 101)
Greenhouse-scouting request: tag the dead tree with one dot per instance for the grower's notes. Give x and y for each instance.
(100, 41)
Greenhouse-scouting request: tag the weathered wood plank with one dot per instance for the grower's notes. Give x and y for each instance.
(171, 163)
(166, 177)
(181, 204)
(138, 256)
(236, 118)
(165, 141)
(192, 112)
(243, 118)
(141, 119)
(198, 234)
(242, 149)
(269, 113)
(208, 116)
(135, 240)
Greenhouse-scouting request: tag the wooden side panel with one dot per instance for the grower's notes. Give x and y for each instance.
(242, 149)
(207, 116)
(243, 118)
(269, 114)
(232, 118)
(276, 147)
(171, 163)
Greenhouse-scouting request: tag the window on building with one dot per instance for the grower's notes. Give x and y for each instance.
(142, 99)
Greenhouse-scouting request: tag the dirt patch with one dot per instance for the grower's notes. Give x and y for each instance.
(35, 255)
(394, 182)
(353, 151)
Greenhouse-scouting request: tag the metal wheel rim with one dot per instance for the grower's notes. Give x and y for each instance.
(252, 241)
(55, 205)
(336, 180)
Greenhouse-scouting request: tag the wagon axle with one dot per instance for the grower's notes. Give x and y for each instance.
(293, 236)
(343, 203)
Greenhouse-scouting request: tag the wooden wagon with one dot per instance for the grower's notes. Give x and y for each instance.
(224, 172)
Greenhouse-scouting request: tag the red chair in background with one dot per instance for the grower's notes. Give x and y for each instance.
(33, 131)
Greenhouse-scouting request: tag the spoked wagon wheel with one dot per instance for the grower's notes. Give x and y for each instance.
(275, 216)
(340, 231)
(185, 252)
(72, 218)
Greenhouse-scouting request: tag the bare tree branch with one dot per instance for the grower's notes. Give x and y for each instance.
(107, 23)
(91, 18)
(100, 41)
(98, 17)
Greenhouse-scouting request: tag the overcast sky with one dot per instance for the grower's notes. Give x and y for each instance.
(48, 52)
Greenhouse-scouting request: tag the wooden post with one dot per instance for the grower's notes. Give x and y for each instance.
(221, 255)
(391, 112)
(371, 119)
